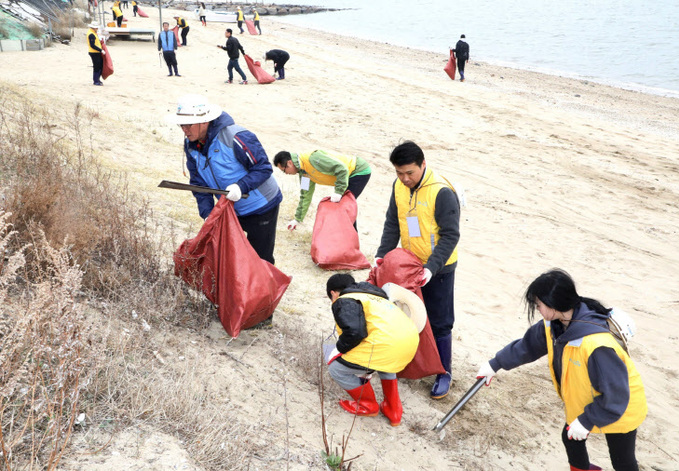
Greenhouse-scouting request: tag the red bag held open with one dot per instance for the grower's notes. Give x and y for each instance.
(255, 69)
(451, 65)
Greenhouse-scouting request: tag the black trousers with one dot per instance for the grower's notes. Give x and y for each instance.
(620, 449)
(261, 232)
(185, 32)
(171, 61)
(97, 66)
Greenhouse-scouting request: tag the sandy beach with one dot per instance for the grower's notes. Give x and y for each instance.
(557, 173)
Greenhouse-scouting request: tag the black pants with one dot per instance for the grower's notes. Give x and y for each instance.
(119, 21)
(134, 10)
(171, 61)
(240, 26)
(257, 26)
(439, 300)
(460, 67)
(261, 232)
(97, 66)
(620, 448)
(357, 184)
(185, 32)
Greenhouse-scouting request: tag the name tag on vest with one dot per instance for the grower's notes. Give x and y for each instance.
(413, 226)
(304, 183)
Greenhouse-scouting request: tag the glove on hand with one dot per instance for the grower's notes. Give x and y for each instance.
(335, 197)
(576, 431)
(334, 355)
(426, 276)
(234, 192)
(486, 371)
(378, 261)
(292, 225)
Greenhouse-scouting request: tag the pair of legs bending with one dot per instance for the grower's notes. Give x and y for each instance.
(620, 448)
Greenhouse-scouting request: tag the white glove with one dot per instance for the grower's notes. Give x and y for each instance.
(576, 431)
(378, 261)
(292, 225)
(234, 192)
(103, 53)
(335, 197)
(334, 355)
(486, 371)
(426, 276)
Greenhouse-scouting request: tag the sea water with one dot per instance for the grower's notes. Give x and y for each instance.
(626, 43)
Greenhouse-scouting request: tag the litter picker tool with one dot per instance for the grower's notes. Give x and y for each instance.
(467, 396)
(196, 188)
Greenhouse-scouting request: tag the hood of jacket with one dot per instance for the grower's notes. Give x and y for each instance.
(585, 321)
(365, 287)
(216, 126)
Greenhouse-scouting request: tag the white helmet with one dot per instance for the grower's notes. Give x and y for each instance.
(193, 109)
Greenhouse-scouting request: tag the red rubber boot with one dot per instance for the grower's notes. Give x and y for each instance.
(364, 404)
(391, 406)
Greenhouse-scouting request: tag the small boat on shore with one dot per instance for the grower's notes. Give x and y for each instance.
(214, 16)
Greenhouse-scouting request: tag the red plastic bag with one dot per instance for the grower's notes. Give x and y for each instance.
(221, 263)
(334, 244)
(402, 267)
(107, 69)
(255, 69)
(451, 65)
(141, 13)
(251, 26)
(175, 30)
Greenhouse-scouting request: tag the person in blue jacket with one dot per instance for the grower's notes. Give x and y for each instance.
(224, 156)
(590, 369)
(167, 43)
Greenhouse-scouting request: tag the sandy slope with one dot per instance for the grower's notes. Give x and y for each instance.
(558, 173)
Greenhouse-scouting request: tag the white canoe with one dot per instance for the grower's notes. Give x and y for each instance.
(214, 16)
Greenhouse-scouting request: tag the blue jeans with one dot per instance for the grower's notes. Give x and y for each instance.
(233, 64)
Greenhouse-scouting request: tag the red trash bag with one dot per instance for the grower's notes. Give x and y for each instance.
(107, 69)
(175, 30)
(402, 267)
(255, 69)
(222, 264)
(334, 244)
(251, 26)
(450, 66)
(141, 12)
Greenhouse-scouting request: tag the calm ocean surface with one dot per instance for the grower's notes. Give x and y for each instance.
(626, 43)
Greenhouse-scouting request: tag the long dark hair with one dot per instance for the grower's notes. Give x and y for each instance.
(556, 289)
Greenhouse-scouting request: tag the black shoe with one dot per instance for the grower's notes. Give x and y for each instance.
(169, 75)
(177, 75)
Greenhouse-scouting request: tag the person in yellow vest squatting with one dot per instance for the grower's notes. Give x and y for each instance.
(255, 18)
(592, 373)
(239, 18)
(96, 52)
(373, 335)
(117, 14)
(344, 172)
(181, 22)
(424, 214)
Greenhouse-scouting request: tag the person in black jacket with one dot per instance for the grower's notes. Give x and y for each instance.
(279, 58)
(462, 55)
(232, 47)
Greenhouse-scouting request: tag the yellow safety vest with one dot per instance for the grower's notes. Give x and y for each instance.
(117, 11)
(349, 161)
(576, 389)
(422, 204)
(392, 337)
(181, 22)
(256, 16)
(240, 15)
(97, 42)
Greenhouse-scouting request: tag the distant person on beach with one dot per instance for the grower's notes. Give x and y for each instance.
(232, 47)
(125, 4)
(201, 14)
(224, 156)
(135, 7)
(255, 18)
(117, 14)
(424, 215)
(461, 55)
(96, 52)
(167, 43)
(181, 22)
(344, 172)
(279, 58)
(374, 335)
(591, 371)
(240, 17)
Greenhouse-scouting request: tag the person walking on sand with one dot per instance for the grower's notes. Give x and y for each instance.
(461, 55)
(255, 19)
(135, 7)
(424, 214)
(167, 43)
(232, 47)
(117, 14)
(373, 335)
(279, 58)
(201, 14)
(181, 22)
(344, 172)
(96, 52)
(240, 17)
(591, 371)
